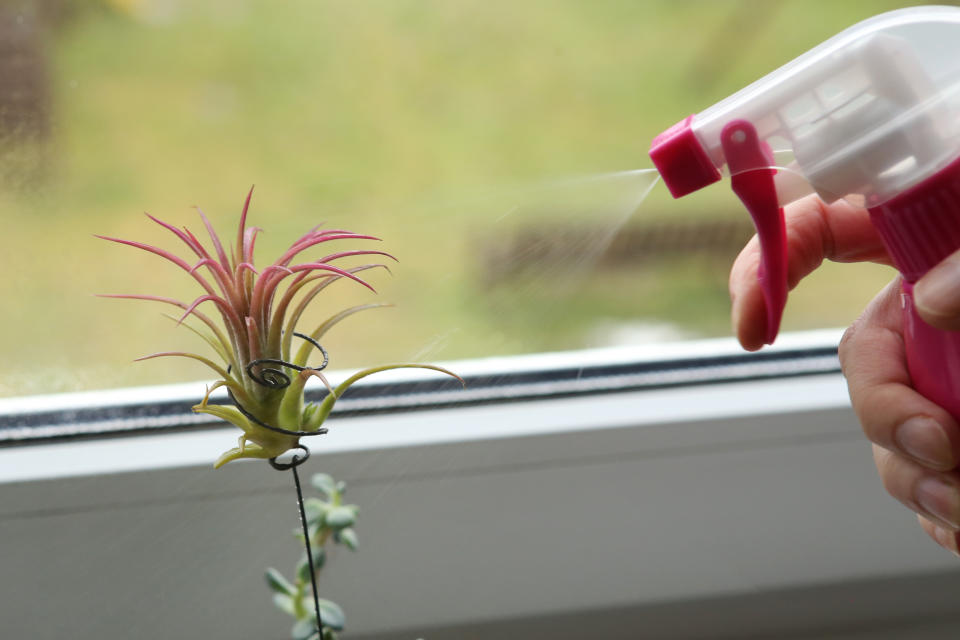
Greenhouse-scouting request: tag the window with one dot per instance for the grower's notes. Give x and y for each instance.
(490, 147)
(498, 149)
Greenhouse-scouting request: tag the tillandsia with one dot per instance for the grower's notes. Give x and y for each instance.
(259, 311)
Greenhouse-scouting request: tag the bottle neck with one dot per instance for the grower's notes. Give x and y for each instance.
(921, 226)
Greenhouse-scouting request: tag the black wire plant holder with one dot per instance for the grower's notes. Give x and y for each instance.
(295, 462)
(273, 377)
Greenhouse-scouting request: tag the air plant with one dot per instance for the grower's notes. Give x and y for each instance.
(259, 311)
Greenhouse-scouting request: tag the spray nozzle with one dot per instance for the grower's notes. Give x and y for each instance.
(681, 160)
(864, 116)
(868, 113)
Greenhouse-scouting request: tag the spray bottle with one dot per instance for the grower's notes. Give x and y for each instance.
(872, 116)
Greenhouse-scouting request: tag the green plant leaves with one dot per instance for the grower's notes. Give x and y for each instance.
(324, 483)
(319, 332)
(227, 413)
(326, 518)
(326, 406)
(315, 510)
(308, 411)
(341, 517)
(348, 537)
(284, 603)
(278, 583)
(305, 629)
(303, 569)
(330, 613)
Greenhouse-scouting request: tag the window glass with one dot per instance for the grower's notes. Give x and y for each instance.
(491, 145)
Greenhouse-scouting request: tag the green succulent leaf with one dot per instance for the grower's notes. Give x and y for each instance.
(315, 510)
(303, 569)
(319, 558)
(305, 629)
(324, 483)
(348, 537)
(341, 517)
(284, 603)
(332, 614)
(278, 583)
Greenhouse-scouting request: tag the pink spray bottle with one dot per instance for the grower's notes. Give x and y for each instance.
(872, 116)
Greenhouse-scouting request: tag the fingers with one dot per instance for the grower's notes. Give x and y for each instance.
(949, 540)
(892, 413)
(934, 495)
(937, 294)
(815, 231)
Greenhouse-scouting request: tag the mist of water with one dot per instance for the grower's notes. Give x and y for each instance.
(557, 231)
(542, 240)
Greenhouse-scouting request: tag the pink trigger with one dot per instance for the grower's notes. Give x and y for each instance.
(751, 178)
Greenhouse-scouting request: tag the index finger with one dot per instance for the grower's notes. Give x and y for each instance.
(815, 231)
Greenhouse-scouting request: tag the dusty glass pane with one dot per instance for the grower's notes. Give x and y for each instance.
(489, 144)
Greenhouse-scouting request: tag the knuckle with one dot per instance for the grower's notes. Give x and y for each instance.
(874, 424)
(848, 342)
(890, 477)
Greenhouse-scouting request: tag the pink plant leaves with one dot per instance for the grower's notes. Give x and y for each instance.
(259, 310)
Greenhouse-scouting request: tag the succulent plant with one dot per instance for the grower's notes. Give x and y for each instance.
(259, 312)
(330, 522)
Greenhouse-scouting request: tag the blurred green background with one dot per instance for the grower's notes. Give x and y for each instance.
(459, 131)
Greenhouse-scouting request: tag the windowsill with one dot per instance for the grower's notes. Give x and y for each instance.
(663, 497)
(516, 396)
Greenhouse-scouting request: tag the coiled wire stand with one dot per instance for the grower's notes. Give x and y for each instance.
(295, 462)
(275, 378)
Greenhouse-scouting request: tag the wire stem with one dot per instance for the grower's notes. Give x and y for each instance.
(306, 542)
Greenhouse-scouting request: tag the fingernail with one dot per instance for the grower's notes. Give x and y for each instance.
(947, 540)
(940, 500)
(937, 292)
(923, 438)
(735, 313)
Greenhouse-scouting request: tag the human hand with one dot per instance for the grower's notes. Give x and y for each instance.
(916, 444)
